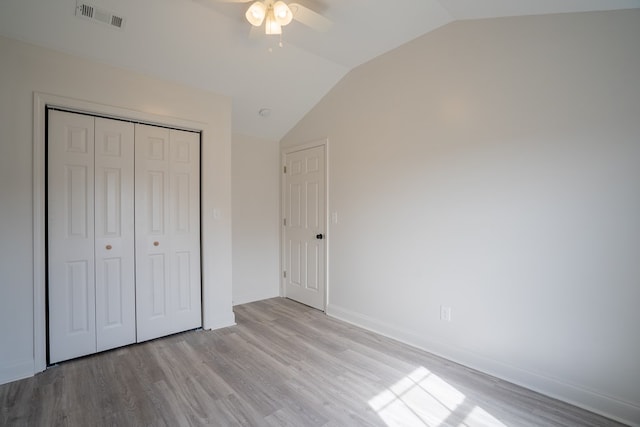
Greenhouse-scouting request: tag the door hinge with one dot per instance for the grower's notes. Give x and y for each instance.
(284, 222)
(284, 274)
(285, 169)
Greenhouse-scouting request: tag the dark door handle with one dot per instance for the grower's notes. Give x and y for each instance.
(319, 236)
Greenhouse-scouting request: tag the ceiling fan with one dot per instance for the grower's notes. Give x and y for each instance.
(277, 14)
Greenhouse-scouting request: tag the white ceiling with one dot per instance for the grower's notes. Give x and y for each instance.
(204, 44)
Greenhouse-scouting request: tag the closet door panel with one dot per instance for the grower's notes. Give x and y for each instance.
(114, 233)
(184, 224)
(153, 240)
(70, 204)
(167, 231)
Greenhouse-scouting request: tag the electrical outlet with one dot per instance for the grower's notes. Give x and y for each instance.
(445, 313)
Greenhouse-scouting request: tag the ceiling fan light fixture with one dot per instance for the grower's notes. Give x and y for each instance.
(282, 13)
(256, 13)
(272, 26)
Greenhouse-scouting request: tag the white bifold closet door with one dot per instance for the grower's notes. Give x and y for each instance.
(90, 235)
(167, 231)
(123, 233)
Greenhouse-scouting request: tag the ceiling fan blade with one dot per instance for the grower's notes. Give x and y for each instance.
(309, 18)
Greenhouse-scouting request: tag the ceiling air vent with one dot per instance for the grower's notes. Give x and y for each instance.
(95, 14)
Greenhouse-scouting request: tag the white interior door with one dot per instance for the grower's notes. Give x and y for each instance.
(168, 290)
(304, 228)
(70, 203)
(114, 234)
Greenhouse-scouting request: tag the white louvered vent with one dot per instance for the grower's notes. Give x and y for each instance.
(95, 14)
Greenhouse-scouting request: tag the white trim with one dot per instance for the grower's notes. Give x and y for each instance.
(608, 406)
(39, 261)
(210, 319)
(283, 161)
(220, 321)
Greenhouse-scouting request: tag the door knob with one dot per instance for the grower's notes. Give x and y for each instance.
(319, 236)
(108, 247)
(156, 243)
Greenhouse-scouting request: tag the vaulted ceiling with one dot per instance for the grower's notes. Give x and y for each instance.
(206, 44)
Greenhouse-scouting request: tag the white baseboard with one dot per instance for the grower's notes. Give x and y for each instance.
(221, 321)
(16, 371)
(590, 400)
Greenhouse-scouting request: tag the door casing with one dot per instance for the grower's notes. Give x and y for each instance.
(41, 101)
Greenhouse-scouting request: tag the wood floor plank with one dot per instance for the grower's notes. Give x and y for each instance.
(284, 364)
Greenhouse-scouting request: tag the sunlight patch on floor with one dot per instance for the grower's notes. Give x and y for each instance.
(424, 399)
(480, 417)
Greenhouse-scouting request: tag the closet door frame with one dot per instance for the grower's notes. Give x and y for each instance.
(43, 101)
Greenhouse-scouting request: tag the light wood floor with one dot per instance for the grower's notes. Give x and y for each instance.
(284, 364)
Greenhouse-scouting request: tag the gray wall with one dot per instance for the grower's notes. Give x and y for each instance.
(493, 166)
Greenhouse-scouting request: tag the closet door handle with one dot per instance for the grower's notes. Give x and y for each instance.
(108, 247)
(156, 243)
